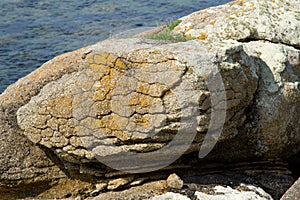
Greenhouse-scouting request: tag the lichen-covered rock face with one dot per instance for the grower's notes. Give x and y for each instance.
(137, 105)
(135, 100)
(276, 21)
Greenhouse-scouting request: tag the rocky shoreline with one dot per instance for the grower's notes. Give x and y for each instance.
(113, 120)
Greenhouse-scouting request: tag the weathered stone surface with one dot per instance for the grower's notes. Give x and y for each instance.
(243, 192)
(174, 181)
(276, 21)
(171, 195)
(293, 193)
(88, 106)
(24, 166)
(114, 184)
(137, 105)
(145, 191)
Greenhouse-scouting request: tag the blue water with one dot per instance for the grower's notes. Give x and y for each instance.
(32, 32)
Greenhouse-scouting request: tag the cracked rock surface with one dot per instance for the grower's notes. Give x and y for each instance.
(95, 115)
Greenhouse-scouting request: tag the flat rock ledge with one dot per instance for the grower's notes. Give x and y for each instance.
(113, 120)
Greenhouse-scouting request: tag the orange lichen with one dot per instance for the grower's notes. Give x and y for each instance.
(156, 51)
(110, 59)
(100, 58)
(90, 58)
(120, 65)
(103, 89)
(141, 100)
(144, 101)
(188, 35)
(134, 100)
(142, 120)
(213, 23)
(240, 1)
(142, 88)
(122, 135)
(97, 68)
(61, 107)
(202, 36)
(188, 27)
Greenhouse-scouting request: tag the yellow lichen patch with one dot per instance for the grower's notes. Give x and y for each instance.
(116, 122)
(90, 58)
(122, 135)
(103, 107)
(213, 22)
(202, 36)
(120, 65)
(141, 120)
(156, 51)
(144, 101)
(110, 59)
(106, 131)
(144, 62)
(99, 69)
(103, 88)
(188, 27)
(101, 58)
(142, 88)
(134, 100)
(100, 95)
(240, 1)
(93, 124)
(61, 107)
(140, 99)
(188, 35)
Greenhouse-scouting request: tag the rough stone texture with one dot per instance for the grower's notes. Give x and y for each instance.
(145, 191)
(23, 165)
(115, 101)
(293, 193)
(104, 105)
(277, 21)
(244, 192)
(174, 181)
(171, 195)
(80, 110)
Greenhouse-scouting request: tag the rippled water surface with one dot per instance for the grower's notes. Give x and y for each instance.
(32, 32)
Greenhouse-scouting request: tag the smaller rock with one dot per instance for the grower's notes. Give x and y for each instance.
(101, 186)
(171, 195)
(116, 183)
(139, 181)
(78, 198)
(175, 182)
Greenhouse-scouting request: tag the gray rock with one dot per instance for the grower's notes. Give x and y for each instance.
(244, 192)
(293, 193)
(175, 182)
(171, 195)
(275, 21)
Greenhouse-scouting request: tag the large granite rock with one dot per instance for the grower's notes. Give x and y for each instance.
(126, 111)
